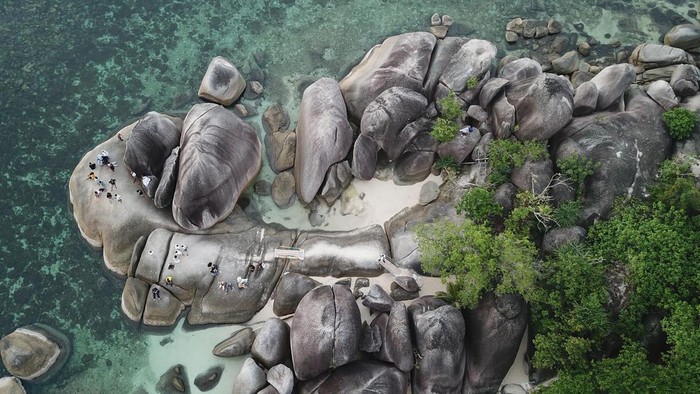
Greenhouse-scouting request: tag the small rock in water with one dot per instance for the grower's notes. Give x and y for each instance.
(166, 341)
(208, 379)
(439, 31)
(435, 19)
(316, 219)
(447, 20)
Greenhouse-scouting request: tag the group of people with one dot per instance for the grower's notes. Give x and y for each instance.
(103, 160)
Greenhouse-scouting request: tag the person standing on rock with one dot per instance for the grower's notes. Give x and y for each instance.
(156, 293)
(169, 280)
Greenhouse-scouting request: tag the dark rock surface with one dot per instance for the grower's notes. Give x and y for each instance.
(153, 138)
(378, 299)
(168, 180)
(173, 381)
(222, 83)
(271, 345)
(208, 379)
(220, 155)
(291, 288)
(560, 236)
(251, 379)
(543, 106)
(236, 345)
(364, 376)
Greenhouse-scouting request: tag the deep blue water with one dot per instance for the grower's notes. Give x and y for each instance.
(72, 72)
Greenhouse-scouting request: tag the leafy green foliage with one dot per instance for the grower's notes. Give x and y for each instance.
(675, 187)
(577, 169)
(449, 106)
(530, 210)
(567, 214)
(444, 130)
(477, 261)
(504, 155)
(680, 122)
(478, 205)
(446, 162)
(472, 82)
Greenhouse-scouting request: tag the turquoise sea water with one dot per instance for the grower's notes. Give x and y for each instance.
(72, 72)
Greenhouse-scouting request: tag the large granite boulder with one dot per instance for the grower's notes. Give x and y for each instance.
(11, 385)
(364, 157)
(222, 83)
(662, 92)
(461, 146)
(377, 299)
(281, 378)
(283, 190)
(611, 83)
(473, 60)
(650, 56)
(280, 148)
(134, 298)
(173, 381)
(152, 139)
(533, 176)
(494, 331)
(400, 61)
(324, 136)
(251, 379)
(34, 353)
(388, 114)
(208, 379)
(338, 179)
(162, 307)
(559, 236)
(491, 89)
(363, 376)
(520, 69)
(397, 346)
(236, 345)
(684, 80)
(326, 331)
(442, 56)
(271, 345)
(220, 155)
(628, 147)
(685, 36)
(275, 118)
(440, 342)
(168, 179)
(543, 106)
(585, 99)
(291, 288)
(415, 164)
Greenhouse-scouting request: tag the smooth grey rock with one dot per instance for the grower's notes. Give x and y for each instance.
(208, 379)
(251, 379)
(353, 253)
(364, 376)
(442, 55)
(512, 388)
(440, 342)
(280, 148)
(579, 77)
(281, 378)
(494, 331)
(685, 36)
(477, 113)
(173, 381)
(378, 299)
(11, 385)
(262, 188)
(662, 93)
(628, 147)
(566, 64)
(505, 196)
(461, 146)
(428, 193)
(275, 118)
(269, 390)
(152, 139)
(554, 26)
(388, 114)
(397, 343)
(435, 20)
(503, 118)
(364, 158)
(520, 69)
(371, 340)
(168, 180)
(473, 59)
(222, 83)
(491, 90)
(585, 99)
(407, 283)
(284, 190)
(243, 110)
(338, 179)
(254, 89)
(649, 56)
(220, 155)
(413, 167)
(684, 80)
(162, 310)
(399, 61)
(558, 236)
(398, 293)
(271, 345)
(424, 304)
(134, 298)
(533, 176)
(543, 106)
(324, 136)
(34, 353)
(326, 331)
(236, 345)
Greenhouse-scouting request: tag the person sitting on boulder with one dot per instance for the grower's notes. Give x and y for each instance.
(169, 280)
(213, 268)
(112, 165)
(103, 158)
(113, 182)
(242, 282)
(156, 293)
(92, 165)
(92, 176)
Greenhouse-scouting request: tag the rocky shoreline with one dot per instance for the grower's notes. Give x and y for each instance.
(160, 198)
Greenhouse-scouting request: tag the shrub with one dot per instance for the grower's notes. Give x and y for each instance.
(567, 214)
(449, 106)
(446, 163)
(444, 130)
(530, 210)
(472, 82)
(478, 205)
(504, 155)
(680, 122)
(577, 169)
(675, 187)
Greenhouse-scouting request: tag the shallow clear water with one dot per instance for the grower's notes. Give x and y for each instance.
(72, 72)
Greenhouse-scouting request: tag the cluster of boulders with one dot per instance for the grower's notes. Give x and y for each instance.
(34, 354)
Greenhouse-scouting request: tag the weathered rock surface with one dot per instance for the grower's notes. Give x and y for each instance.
(173, 381)
(236, 345)
(11, 385)
(461, 146)
(388, 114)
(271, 345)
(284, 190)
(152, 139)
(338, 178)
(442, 55)
(326, 331)
(162, 307)
(520, 69)
(543, 106)
(364, 158)
(566, 64)
(222, 83)
(397, 344)
(560, 236)
(662, 93)
(473, 59)
(34, 353)
(220, 155)
(208, 379)
(440, 342)
(611, 83)
(428, 193)
(585, 99)
(400, 61)
(281, 378)
(494, 331)
(684, 80)
(134, 298)
(324, 136)
(491, 90)
(685, 36)
(280, 148)
(168, 180)
(251, 379)
(275, 118)
(533, 176)
(364, 376)
(649, 56)
(291, 288)
(378, 299)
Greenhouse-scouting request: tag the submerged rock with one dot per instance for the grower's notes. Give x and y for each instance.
(208, 379)
(173, 381)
